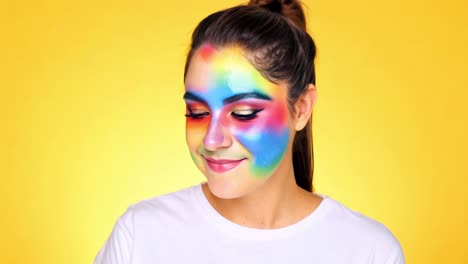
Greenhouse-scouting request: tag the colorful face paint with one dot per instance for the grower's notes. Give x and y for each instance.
(236, 119)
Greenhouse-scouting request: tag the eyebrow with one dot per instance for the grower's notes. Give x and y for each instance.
(230, 99)
(194, 97)
(241, 96)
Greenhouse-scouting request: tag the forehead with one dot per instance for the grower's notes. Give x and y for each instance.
(224, 72)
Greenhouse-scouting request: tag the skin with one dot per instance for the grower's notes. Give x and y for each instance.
(235, 114)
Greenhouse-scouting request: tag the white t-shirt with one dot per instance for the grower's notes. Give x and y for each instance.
(183, 227)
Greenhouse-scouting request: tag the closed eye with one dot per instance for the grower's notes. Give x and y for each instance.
(245, 115)
(197, 114)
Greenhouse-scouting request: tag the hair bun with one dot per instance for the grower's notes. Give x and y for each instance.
(290, 9)
(274, 6)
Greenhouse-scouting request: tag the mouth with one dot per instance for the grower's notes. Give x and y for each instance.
(221, 165)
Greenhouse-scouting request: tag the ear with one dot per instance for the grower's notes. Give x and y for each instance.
(304, 106)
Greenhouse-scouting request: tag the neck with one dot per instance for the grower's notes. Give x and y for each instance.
(279, 202)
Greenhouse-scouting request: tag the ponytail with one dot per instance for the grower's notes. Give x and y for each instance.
(303, 157)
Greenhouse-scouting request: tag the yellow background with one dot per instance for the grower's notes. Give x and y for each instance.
(92, 118)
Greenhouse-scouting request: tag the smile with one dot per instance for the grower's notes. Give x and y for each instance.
(221, 165)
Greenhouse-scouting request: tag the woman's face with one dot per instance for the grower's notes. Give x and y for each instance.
(238, 125)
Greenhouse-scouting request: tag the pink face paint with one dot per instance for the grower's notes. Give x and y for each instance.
(206, 51)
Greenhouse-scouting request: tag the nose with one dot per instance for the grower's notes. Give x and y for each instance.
(217, 136)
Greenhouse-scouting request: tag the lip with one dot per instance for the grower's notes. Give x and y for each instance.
(221, 165)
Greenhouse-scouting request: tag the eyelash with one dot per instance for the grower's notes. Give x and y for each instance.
(246, 117)
(196, 116)
(240, 117)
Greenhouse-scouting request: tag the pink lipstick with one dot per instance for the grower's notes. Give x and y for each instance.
(221, 165)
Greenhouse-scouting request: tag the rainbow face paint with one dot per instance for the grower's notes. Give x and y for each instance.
(237, 121)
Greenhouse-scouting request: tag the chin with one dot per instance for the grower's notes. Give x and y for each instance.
(224, 188)
(232, 186)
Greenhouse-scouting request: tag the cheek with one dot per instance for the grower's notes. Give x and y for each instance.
(266, 138)
(195, 130)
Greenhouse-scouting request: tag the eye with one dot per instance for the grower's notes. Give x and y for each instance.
(197, 114)
(245, 115)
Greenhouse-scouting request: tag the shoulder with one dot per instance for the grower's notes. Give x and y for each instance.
(344, 217)
(165, 204)
(149, 223)
(167, 208)
(159, 218)
(353, 227)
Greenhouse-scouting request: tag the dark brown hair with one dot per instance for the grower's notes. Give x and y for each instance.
(274, 38)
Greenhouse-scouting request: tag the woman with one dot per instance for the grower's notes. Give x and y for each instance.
(249, 91)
